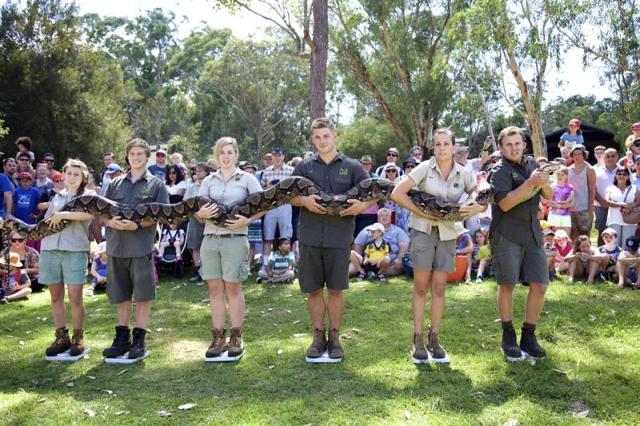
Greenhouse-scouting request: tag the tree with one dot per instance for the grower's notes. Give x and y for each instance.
(521, 36)
(394, 58)
(62, 95)
(296, 23)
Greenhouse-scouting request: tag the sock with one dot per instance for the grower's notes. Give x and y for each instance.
(507, 325)
(265, 260)
(528, 326)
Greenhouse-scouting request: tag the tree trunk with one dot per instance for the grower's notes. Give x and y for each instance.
(319, 52)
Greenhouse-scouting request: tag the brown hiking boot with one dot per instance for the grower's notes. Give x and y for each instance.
(418, 350)
(77, 342)
(219, 344)
(319, 344)
(335, 348)
(438, 354)
(61, 344)
(236, 346)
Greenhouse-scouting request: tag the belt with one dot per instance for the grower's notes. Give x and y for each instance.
(217, 236)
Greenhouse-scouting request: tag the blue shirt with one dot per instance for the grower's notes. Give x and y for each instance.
(26, 203)
(574, 139)
(159, 172)
(5, 186)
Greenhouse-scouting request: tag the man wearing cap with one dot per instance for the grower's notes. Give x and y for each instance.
(113, 171)
(280, 216)
(159, 169)
(394, 235)
(604, 179)
(629, 258)
(393, 156)
(473, 166)
(635, 134)
(325, 241)
(518, 256)
(107, 158)
(367, 163)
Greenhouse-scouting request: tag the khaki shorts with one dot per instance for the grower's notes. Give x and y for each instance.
(429, 253)
(130, 276)
(224, 258)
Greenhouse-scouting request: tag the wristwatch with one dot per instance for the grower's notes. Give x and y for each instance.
(138, 226)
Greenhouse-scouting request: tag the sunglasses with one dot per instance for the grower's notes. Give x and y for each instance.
(391, 171)
(622, 174)
(17, 240)
(636, 144)
(23, 159)
(49, 160)
(391, 154)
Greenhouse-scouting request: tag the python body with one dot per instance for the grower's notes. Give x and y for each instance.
(282, 193)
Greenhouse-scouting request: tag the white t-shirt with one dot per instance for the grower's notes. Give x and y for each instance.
(173, 189)
(614, 216)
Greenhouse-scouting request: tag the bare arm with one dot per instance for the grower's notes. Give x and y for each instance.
(400, 197)
(591, 181)
(8, 202)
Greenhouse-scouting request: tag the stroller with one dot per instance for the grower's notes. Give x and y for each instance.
(172, 259)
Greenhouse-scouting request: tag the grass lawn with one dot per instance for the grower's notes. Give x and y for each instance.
(591, 373)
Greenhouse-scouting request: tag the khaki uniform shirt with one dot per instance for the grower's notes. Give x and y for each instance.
(230, 192)
(429, 179)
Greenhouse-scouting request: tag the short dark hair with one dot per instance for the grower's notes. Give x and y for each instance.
(510, 131)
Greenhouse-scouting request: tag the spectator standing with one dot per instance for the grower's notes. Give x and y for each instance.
(159, 169)
(368, 217)
(461, 156)
(58, 185)
(9, 167)
(598, 153)
(113, 171)
(26, 198)
(42, 182)
(176, 184)
(24, 164)
(632, 152)
(280, 216)
(635, 134)
(622, 195)
(393, 156)
(583, 179)
(195, 230)
(6, 200)
(605, 175)
(573, 135)
(417, 153)
(108, 158)
(50, 161)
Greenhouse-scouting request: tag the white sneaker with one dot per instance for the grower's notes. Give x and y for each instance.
(89, 292)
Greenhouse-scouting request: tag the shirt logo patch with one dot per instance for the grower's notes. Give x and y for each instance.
(514, 175)
(344, 172)
(146, 190)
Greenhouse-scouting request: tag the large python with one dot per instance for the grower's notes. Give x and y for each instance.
(277, 195)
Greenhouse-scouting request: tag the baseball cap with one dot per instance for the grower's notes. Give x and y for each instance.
(550, 232)
(632, 243)
(102, 248)
(113, 168)
(161, 151)
(366, 159)
(561, 233)
(635, 126)
(610, 231)
(390, 166)
(394, 150)
(57, 177)
(375, 227)
(24, 175)
(48, 156)
(278, 150)
(575, 122)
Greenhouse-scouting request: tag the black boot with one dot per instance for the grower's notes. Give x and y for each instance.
(137, 345)
(121, 343)
(510, 348)
(529, 343)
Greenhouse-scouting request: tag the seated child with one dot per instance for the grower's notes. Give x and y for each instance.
(551, 252)
(18, 285)
(609, 253)
(583, 261)
(280, 264)
(98, 269)
(481, 254)
(171, 237)
(563, 247)
(376, 254)
(628, 264)
(464, 247)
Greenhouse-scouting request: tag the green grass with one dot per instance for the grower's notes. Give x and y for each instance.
(591, 335)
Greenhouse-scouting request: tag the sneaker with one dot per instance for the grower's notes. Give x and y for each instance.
(509, 345)
(381, 277)
(479, 280)
(529, 344)
(419, 350)
(196, 278)
(60, 344)
(89, 292)
(371, 275)
(121, 343)
(361, 276)
(219, 344)
(236, 346)
(77, 342)
(137, 348)
(4, 301)
(438, 354)
(318, 345)
(334, 346)
(259, 280)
